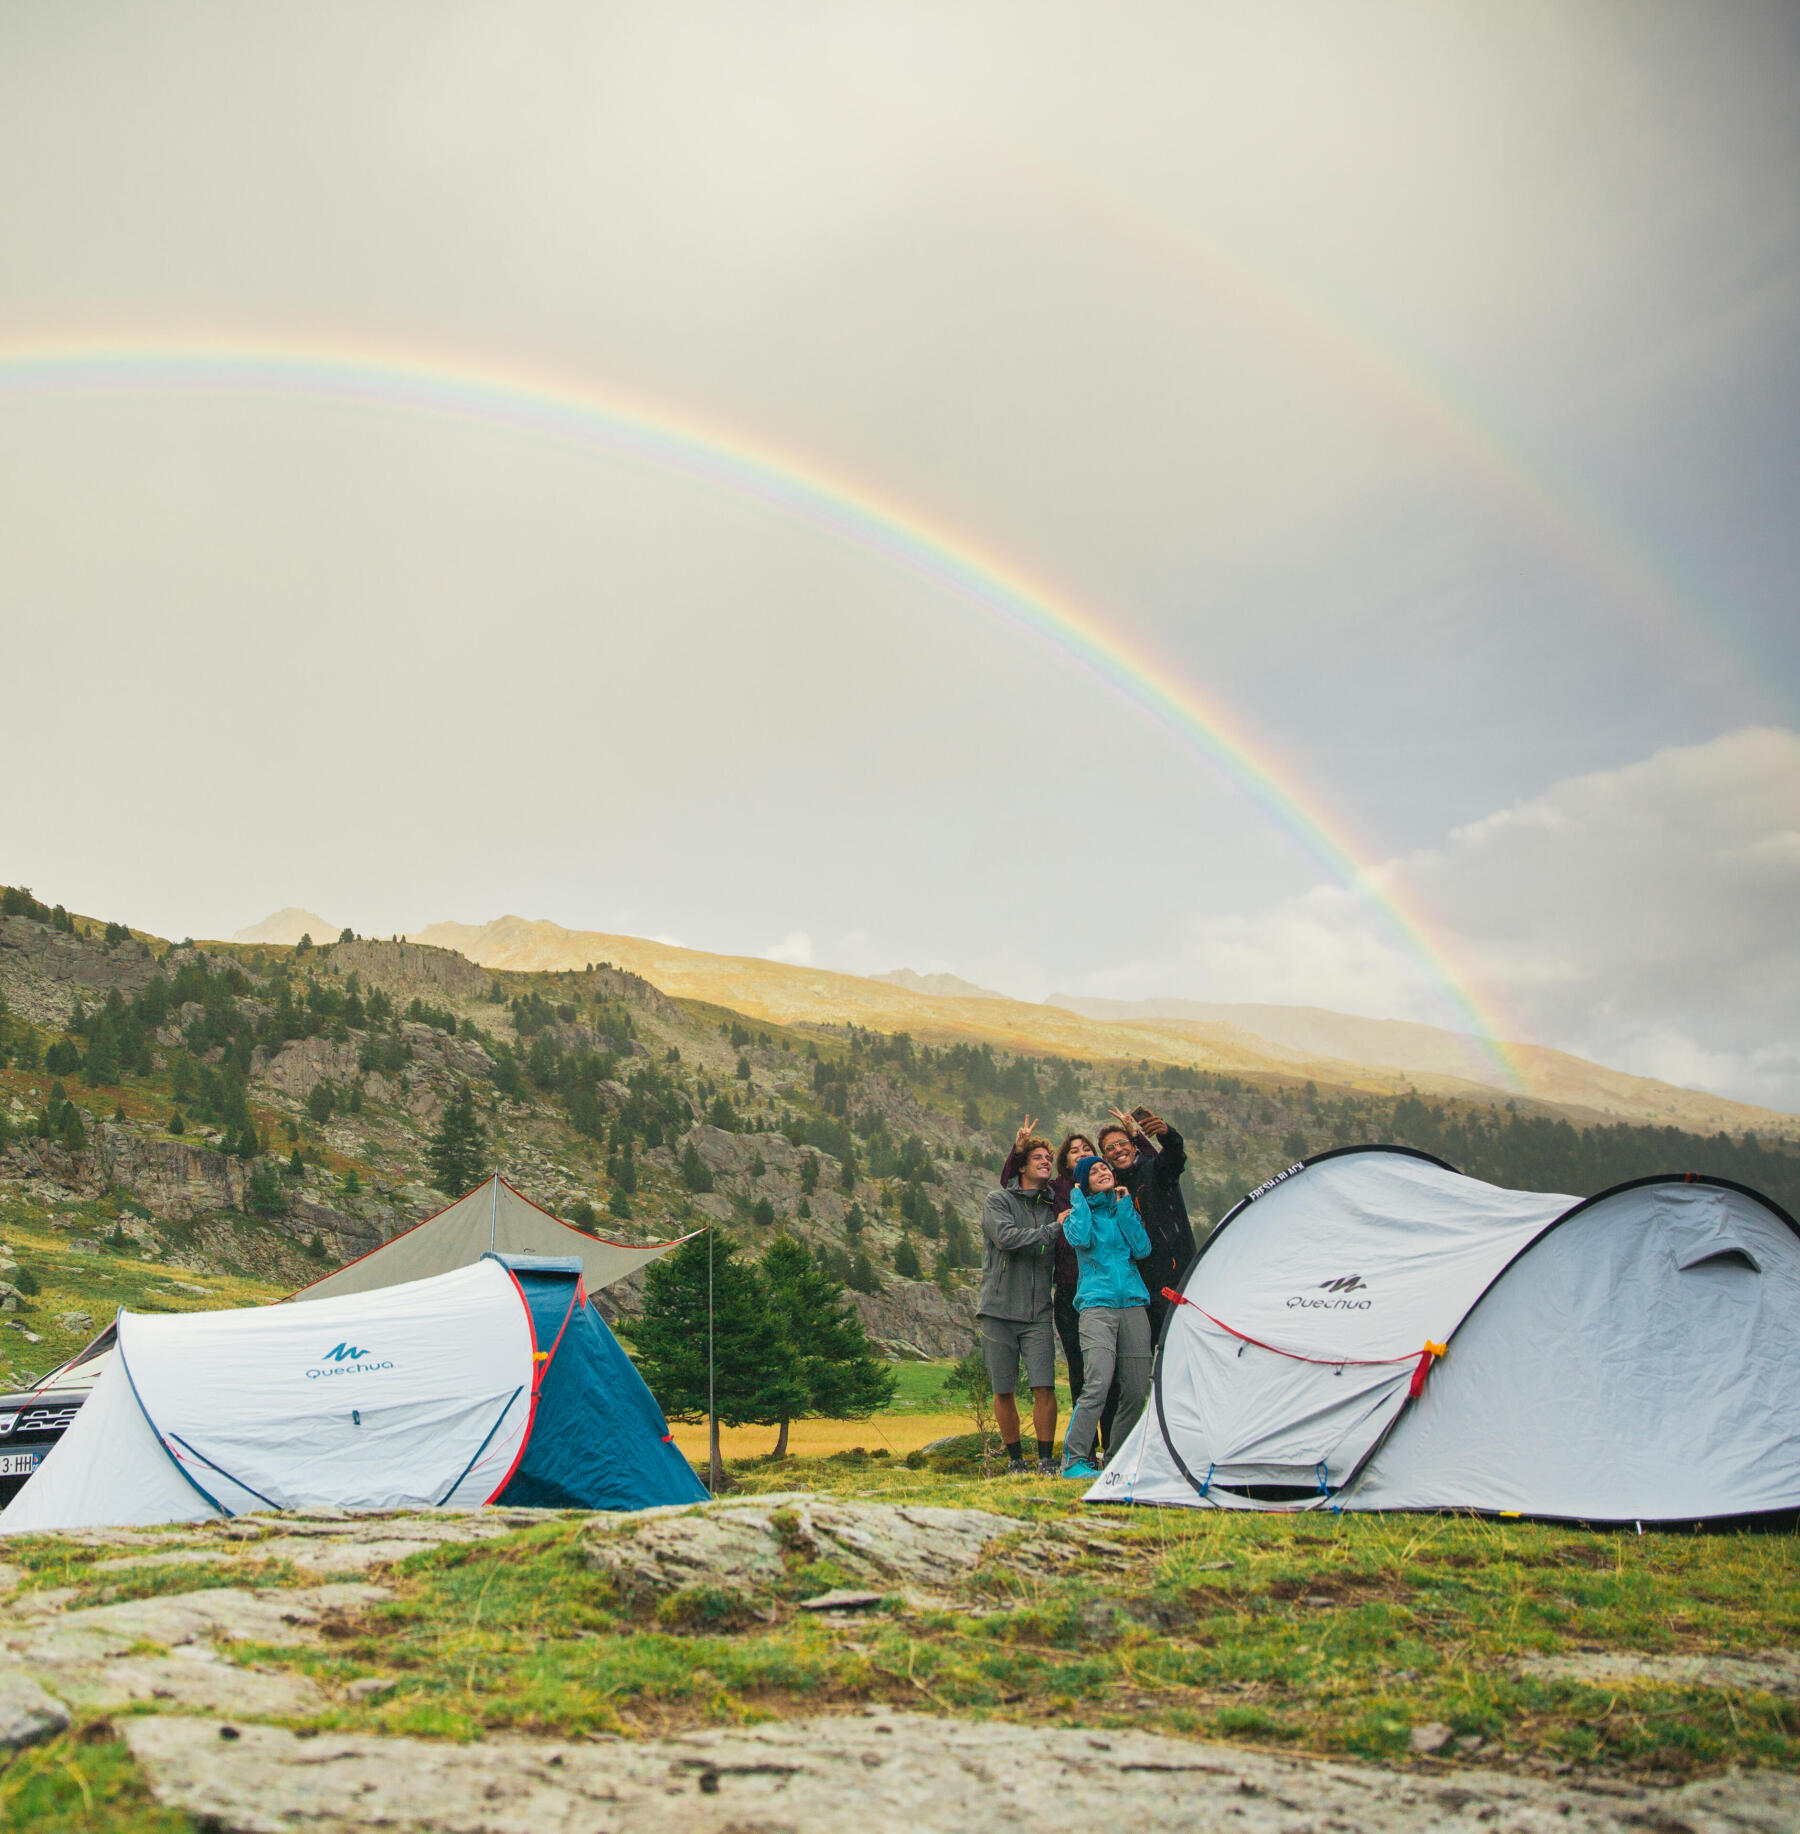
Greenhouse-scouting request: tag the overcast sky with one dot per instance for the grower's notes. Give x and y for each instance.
(1419, 381)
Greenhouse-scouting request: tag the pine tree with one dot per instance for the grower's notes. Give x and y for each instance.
(102, 1066)
(694, 1173)
(755, 1380)
(458, 1152)
(842, 1377)
(906, 1260)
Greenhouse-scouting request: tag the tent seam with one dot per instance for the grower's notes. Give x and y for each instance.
(149, 1421)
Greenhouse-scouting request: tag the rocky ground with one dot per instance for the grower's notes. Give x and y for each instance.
(770, 1660)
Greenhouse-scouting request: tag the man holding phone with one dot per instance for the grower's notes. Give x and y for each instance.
(1147, 1157)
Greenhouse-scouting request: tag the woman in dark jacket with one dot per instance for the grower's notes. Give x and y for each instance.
(1068, 1272)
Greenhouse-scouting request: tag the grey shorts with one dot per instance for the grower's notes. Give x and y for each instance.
(1004, 1341)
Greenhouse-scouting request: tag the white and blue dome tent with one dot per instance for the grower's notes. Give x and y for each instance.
(1373, 1330)
(497, 1382)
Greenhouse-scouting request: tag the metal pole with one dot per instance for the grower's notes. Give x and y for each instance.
(712, 1418)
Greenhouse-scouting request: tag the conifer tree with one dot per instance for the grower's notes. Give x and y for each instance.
(694, 1173)
(840, 1374)
(458, 1152)
(754, 1377)
(102, 1065)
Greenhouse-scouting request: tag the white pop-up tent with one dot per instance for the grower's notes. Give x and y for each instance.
(492, 1383)
(491, 1219)
(1372, 1330)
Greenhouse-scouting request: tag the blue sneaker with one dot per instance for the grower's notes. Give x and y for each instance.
(1082, 1469)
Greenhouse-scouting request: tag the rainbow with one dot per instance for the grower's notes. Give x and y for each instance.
(1625, 579)
(873, 520)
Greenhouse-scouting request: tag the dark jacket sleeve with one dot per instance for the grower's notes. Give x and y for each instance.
(1015, 1164)
(1165, 1178)
(1168, 1165)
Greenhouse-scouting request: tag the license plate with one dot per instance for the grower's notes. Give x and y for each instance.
(18, 1464)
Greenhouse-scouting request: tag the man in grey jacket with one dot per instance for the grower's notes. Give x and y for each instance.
(1018, 1226)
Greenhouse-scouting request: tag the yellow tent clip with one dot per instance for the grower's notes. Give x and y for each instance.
(543, 1356)
(1435, 1349)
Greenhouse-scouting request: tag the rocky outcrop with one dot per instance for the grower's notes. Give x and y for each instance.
(172, 1179)
(728, 1155)
(409, 969)
(890, 1773)
(166, 1650)
(42, 970)
(341, 1237)
(301, 1064)
(911, 1318)
(1773, 1671)
(27, 1713)
(746, 1547)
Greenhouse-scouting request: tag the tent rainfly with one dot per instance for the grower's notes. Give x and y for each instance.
(1371, 1330)
(494, 1383)
(491, 1219)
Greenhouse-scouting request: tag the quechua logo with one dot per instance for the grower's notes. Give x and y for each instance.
(1339, 1287)
(346, 1358)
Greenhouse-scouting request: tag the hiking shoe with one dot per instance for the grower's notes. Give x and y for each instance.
(1016, 1467)
(1082, 1469)
(1045, 1467)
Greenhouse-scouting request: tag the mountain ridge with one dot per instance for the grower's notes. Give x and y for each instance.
(786, 994)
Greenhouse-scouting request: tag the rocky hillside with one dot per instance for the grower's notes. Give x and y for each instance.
(265, 1112)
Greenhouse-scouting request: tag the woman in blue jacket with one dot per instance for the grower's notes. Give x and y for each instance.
(1103, 1227)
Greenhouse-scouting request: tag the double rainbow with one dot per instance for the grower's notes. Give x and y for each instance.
(873, 520)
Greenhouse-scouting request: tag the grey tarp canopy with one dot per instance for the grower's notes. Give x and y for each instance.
(1634, 1356)
(492, 1218)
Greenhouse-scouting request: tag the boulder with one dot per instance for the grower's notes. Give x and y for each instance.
(27, 1713)
(745, 1547)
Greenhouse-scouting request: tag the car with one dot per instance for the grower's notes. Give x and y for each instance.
(33, 1420)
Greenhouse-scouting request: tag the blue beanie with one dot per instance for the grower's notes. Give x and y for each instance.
(1084, 1165)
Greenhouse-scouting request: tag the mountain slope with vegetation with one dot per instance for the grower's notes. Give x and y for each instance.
(208, 1113)
(1379, 1056)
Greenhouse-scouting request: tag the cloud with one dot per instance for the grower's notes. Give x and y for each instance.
(795, 947)
(1644, 917)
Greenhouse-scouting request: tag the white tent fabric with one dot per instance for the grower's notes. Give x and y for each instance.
(412, 1397)
(1654, 1386)
(494, 1217)
(1636, 1357)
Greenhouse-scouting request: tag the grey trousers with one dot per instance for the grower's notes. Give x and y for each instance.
(1112, 1338)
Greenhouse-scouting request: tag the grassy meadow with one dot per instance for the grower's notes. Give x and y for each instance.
(1320, 1634)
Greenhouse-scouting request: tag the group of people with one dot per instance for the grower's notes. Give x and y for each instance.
(1079, 1242)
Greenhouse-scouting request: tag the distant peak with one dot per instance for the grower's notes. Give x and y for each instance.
(940, 986)
(289, 926)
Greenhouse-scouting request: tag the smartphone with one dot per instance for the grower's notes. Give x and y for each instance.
(1140, 1115)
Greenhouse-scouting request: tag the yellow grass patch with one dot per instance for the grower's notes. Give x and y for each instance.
(896, 1433)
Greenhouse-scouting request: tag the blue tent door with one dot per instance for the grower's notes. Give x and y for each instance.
(598, 1439)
